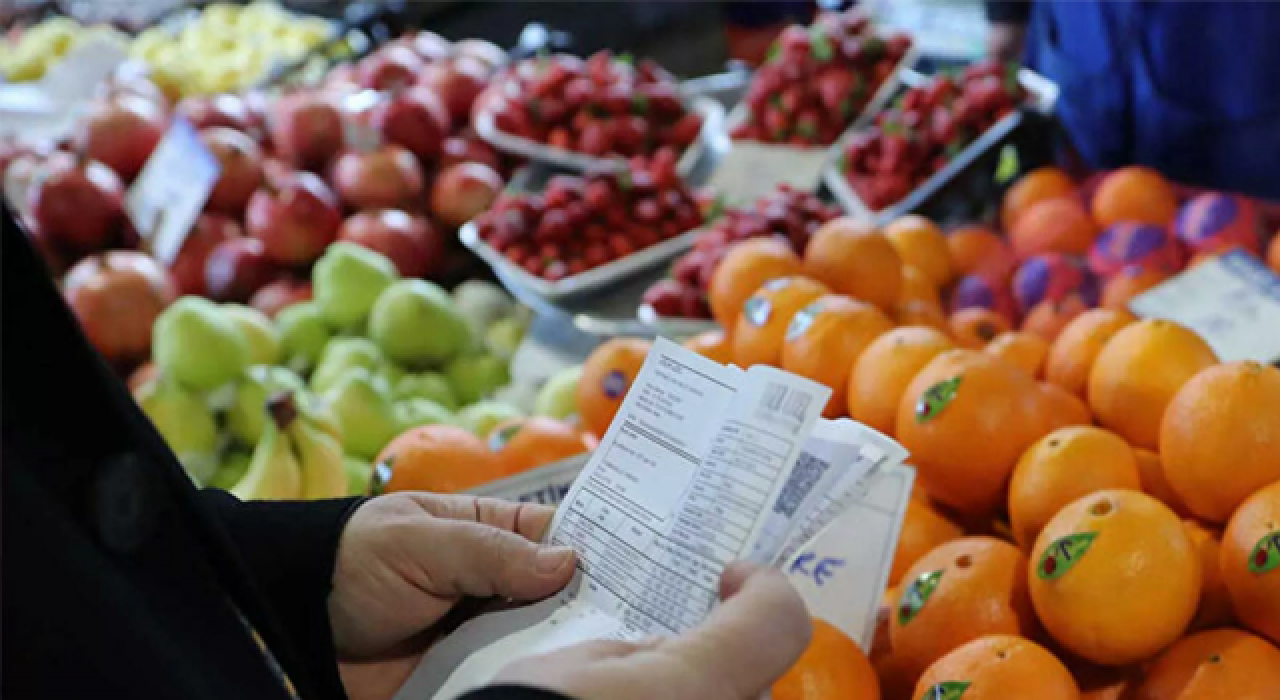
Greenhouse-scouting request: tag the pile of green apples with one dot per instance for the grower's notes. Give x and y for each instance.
(369, 357)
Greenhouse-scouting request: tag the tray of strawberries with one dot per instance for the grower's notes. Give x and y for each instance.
(587, 114)
(583, 233)
(933, 131)
(819, 80)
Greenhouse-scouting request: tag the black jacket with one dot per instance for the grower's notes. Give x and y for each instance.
(120, 579)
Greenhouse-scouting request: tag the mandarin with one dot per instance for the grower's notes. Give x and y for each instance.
(528, 443)
(1130, 282)
(923, 529)
(1215, 602)
(1072, 354)
(832, 667)
(973, 247)
(1053, 226)
(761, 329)
(1249, 560)
(855, 259)
(974, 327)
(884, 369)
(1049, 317)
(1137, 194)
(825, 339)
(1023, 350)
(922, 313)
(745, 267)
(713, 345)
(606, 376)
(1220, 664)
(1061, 408)
(1154, 482)
(1036, 186)
(437, 458)
(916, 286)
(998, 667)
(922, 245)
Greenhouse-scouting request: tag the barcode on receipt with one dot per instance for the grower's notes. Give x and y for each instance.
(780, 400)
(808, 471)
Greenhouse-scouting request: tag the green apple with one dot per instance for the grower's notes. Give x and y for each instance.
(231, 471)
(503, 336)
(415, 324)
(474, 377)
(342, 354)
(426, 385)
(247, 414)
(262, 337)
(365, 413)
(415, 412)
(347, 280)
(196, 344)
(558, 397)
(482, 303)
(481, 418)
(359, 474)
(391, 373)
(304, 333)
(185, 422)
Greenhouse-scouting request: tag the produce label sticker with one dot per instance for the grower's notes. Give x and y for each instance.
(1265, 557)
(171, 190)
(917, 594)
(936, 398)
(946, 690)
(1232, 300)
(1063, 554)
(752, 170)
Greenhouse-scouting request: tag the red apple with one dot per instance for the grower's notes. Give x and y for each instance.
(78, 204)
(458, 82)
(294, 217)
(388, 177)
(306, 129)
(486, 52)
(236, 269)
(409, 241)
(117, 296)
(121, 134)
(414, 118)
(206, 112)
(430, 46)
(462, 192)
(187, 267)
(241, 162)
(393, 66)
(460, 149)
(283, 292)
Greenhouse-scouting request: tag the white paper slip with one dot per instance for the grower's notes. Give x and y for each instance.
(1232, 300)
(166, 198)
(547, 484)
(751, 170)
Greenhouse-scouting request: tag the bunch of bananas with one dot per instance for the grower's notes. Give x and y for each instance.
(299, 456)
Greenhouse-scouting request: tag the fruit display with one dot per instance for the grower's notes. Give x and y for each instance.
(601, 106)
(579, 223)
(817, 80)
(924, 129)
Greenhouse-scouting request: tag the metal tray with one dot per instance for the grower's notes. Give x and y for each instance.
(1042, 95)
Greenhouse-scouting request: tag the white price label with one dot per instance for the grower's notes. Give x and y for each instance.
(546, 485)
(167, 197)
(752, 170)
(1232, 300)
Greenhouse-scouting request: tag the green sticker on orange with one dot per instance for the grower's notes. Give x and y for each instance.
(803, 319)
(1265, 557)
(946, 690)
(936, 398)
(917, 594)
(1063, 554)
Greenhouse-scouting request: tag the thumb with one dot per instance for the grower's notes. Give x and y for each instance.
(483, 560)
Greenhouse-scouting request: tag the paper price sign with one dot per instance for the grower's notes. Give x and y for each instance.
(752, 170)
(169, 193)
(546, 485)
(1231, 300)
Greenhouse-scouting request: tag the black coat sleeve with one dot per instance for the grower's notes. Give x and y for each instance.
(512, 692)
(1008, 11)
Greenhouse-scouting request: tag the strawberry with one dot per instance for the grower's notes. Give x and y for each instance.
(685, 131)
(833, 85)
(666, 297)
(687, 267)
(807, 125)
(596, 254)
(578, 92)
(595, 139)
(559, 138)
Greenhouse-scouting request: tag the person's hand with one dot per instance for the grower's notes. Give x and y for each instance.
(1006, 41)
(741, 649)
(405, 559)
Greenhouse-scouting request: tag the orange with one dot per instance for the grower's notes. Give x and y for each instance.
(528, 443)
(1034, 187)
(1020, 349)
(1072, 354)
(1221, 664)
(922, 245)
(916, 286)
(923, 528)
(1129, 283)
(855, 259)
(832, 667)
(713, 345)
(1134, 194)
(825, 338)
(1066, 464)
(439, 458)
(1049, 317)
(885, 368)
(966, 418)
(761, 328)
(1114, 577)
(1137, 373)
(1250, 562)
(895, 679)
(1154, 482)
(998, 667)
(1053, 226)
(1061, 408)
(1220, 437)
(974, 327)
(1273, 254)
(959, 591)
(606, 376)
(1102, 683)
(921, 313)
(973, 247)
(1215, 602)
(745, 267)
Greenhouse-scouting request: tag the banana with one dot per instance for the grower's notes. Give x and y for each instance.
(274, 473)
(320, 457)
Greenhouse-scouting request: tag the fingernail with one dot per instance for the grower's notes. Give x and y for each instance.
(549, 560)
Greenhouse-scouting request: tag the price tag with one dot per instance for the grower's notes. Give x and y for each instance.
(1232, 300)
(165, 200)
(546, 485)
(752, 170)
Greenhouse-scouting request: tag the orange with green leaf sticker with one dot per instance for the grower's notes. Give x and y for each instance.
(1250, 562)
(998, 667)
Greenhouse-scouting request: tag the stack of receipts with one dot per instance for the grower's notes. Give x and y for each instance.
(704, 465)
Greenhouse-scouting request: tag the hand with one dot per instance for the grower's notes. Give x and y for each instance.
(405, 559)
(741, 649)
(1006, 41)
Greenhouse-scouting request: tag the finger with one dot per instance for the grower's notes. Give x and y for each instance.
(753, 637)
(530, 520)
(735, 576)
(483, 560)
